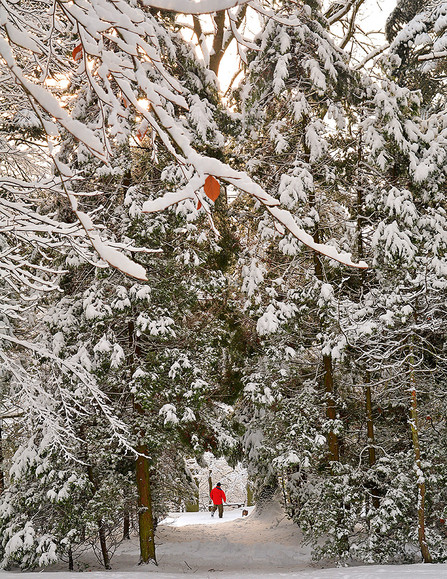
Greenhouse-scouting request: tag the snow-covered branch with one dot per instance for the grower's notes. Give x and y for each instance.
(120, 60)
(209, 166)
(194, 6)
(433, 55)
(72, 392)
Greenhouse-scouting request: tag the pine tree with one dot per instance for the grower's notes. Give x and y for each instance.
(294, 86)
(381, 148)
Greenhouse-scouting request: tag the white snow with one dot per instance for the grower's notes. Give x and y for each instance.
(169, 413)
(370, 572)
(202, 518)
(194, 6)
(110, 255)
(50, 104)
(233, 479)
(264, 544)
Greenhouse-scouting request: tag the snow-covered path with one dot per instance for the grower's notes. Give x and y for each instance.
(259, 546)
(255, 543)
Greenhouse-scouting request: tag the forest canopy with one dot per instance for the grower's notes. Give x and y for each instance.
(258, 273)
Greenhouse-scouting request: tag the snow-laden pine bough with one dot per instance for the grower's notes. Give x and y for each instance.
(118, 55)
(70, 393)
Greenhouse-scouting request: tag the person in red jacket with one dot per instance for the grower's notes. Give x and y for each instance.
(218, 497)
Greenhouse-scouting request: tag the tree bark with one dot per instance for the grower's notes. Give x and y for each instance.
(328, 378)
(126, 526)
(100, 522)
(145, 516)
(218, 42)
(210, 486)
(332, 437)
(414, 423)
(250, 502)
(145, 519)
(194, 506)
(371, 436)
(103, 544)
(370, 426)
(361, 255)
(222, 36)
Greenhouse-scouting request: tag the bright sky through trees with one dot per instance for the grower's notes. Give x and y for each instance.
(372, 18)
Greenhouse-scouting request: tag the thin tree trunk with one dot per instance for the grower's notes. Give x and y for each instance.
(371, 437)
(126, 526)
(103, 544)
(194, 506)
(361, 255)
(210, 487)
(145, 519)
(332, 437)
(414, 423)
(360, 217)
(218, 42)
(222, 36)
(370, 424)
(249, 496)
(100, 523)
(145, 516)
(328, 379)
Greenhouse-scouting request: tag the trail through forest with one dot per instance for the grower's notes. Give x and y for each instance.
(262, 545)
(261, 542)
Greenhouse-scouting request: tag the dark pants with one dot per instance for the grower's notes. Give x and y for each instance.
(220, 507)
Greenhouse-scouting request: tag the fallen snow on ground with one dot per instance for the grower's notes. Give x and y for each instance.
(205, 518)
(260, 546)
(372, 572)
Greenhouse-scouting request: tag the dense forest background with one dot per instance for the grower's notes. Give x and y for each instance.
(259, 273)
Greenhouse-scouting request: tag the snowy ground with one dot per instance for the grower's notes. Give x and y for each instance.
(258, 546)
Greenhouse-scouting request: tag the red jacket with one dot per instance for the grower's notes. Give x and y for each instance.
(217, 496)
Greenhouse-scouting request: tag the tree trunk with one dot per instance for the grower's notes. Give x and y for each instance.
(414, 423)
(370, 424)
(70, 560)
(332, 438)
(194, 506)
(221, 37)
(249, 496)
(145, 518)
(210, 486)
(103, 544)
(126, 526)
(361, 255)
(100, 523)
(371, 436)
(218, 49)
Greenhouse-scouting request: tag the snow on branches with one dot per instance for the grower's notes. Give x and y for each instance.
(122, 78)
(194, 6)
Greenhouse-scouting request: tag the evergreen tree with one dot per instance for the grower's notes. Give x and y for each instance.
(379, 154)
